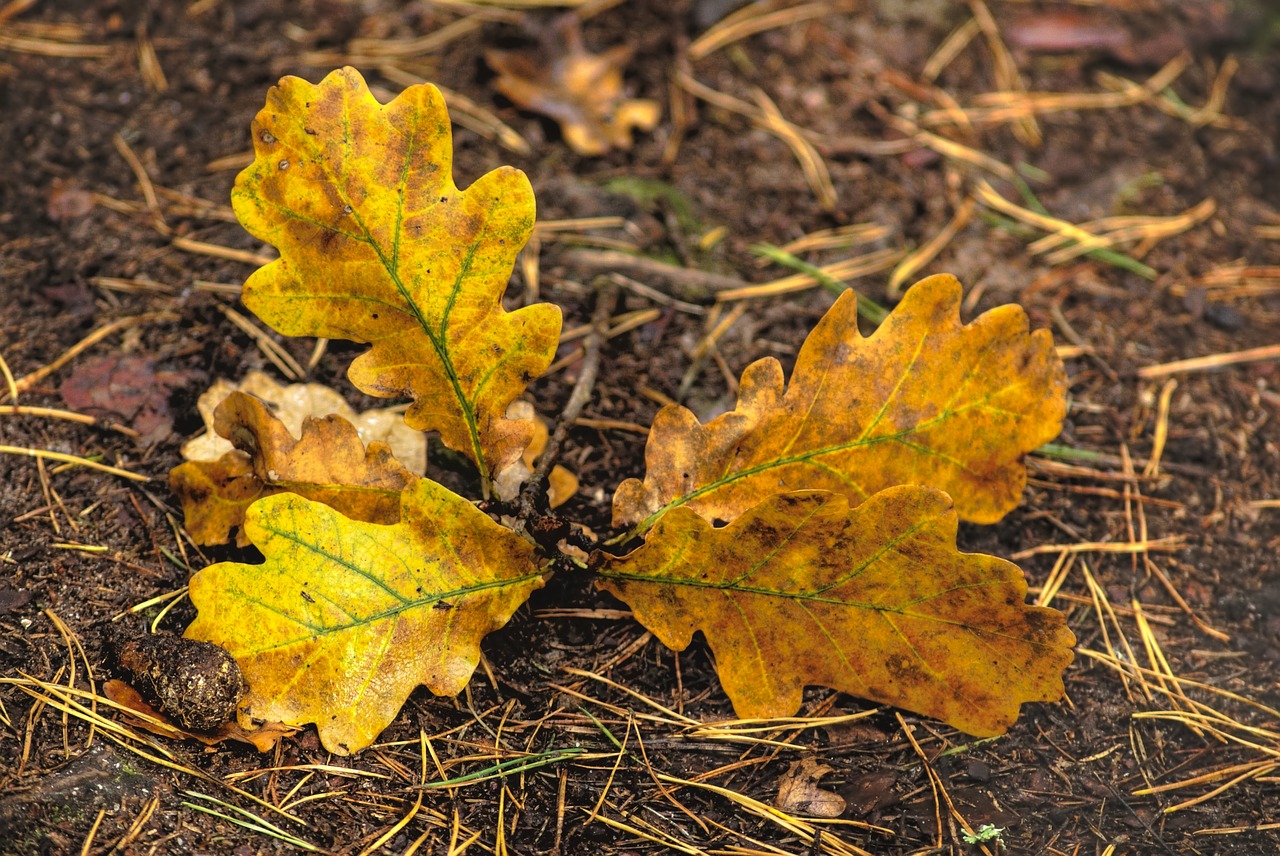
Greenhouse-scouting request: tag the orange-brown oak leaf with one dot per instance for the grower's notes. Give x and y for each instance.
(328, 463)
(293, 403)
(582, 91)
(344, 619)
(923, 400)
(378, 245)
(215, 495)
(875, 601)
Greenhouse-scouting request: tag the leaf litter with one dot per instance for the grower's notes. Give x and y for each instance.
(582, 91)
(327, 463)
(875, 602)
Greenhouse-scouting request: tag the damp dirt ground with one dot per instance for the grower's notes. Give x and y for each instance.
(1168, 740)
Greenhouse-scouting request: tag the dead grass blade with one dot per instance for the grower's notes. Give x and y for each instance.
(1233, 280)
(72, 459)
(950, 48)
(68, 415)
(840, 238)
(271, 349)
(757, 18)
(1006, 106)
(84, 705)
(218, 251)
(840, 272)
(940, 795)
(1168, 543)
(28, 381)
(1091, 244)
(1112, 231)
(1006, 71)
(806, 829)
(766, 116)
(55, 44)
(1212, 361)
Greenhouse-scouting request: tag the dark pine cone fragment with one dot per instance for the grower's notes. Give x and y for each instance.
(196, 684)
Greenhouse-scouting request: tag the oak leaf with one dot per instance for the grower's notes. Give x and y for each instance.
(328, 463)
(293, 403)
(344, 619)
(923, 400)
(582, 91)
(875, 601)
(378, 245)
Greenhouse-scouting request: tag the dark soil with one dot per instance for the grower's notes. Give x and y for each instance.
(74, 224)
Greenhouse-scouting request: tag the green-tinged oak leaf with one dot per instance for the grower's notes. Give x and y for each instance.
(875, 601)
(378, 245)
(344, 619)
(328, 463)
(923, 400)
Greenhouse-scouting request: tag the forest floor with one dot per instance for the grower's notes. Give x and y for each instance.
(941, 136)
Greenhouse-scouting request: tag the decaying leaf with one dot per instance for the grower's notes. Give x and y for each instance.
(345, 618)
(142, 714)
(328, 463)
(875, 601)
(580, 90)
(798, 791)
(292, 404)
(378, 245)
(125, 387)
(923, 400)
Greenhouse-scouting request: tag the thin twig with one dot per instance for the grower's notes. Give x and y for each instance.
(536, 488)
(28, 381)
(688, 283)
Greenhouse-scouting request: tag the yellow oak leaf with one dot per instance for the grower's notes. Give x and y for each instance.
(344, 619)
(923, 400)
(875, 601)
(582, 91)
(328, 464)
(378, 245)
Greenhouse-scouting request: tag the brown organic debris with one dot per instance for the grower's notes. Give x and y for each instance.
(580, 90)
(328, 463)
(196, 684)
(798, 791)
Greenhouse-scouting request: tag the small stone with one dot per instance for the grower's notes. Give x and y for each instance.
(1225, 317)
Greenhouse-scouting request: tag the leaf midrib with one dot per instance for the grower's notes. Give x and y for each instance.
(390, 264)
